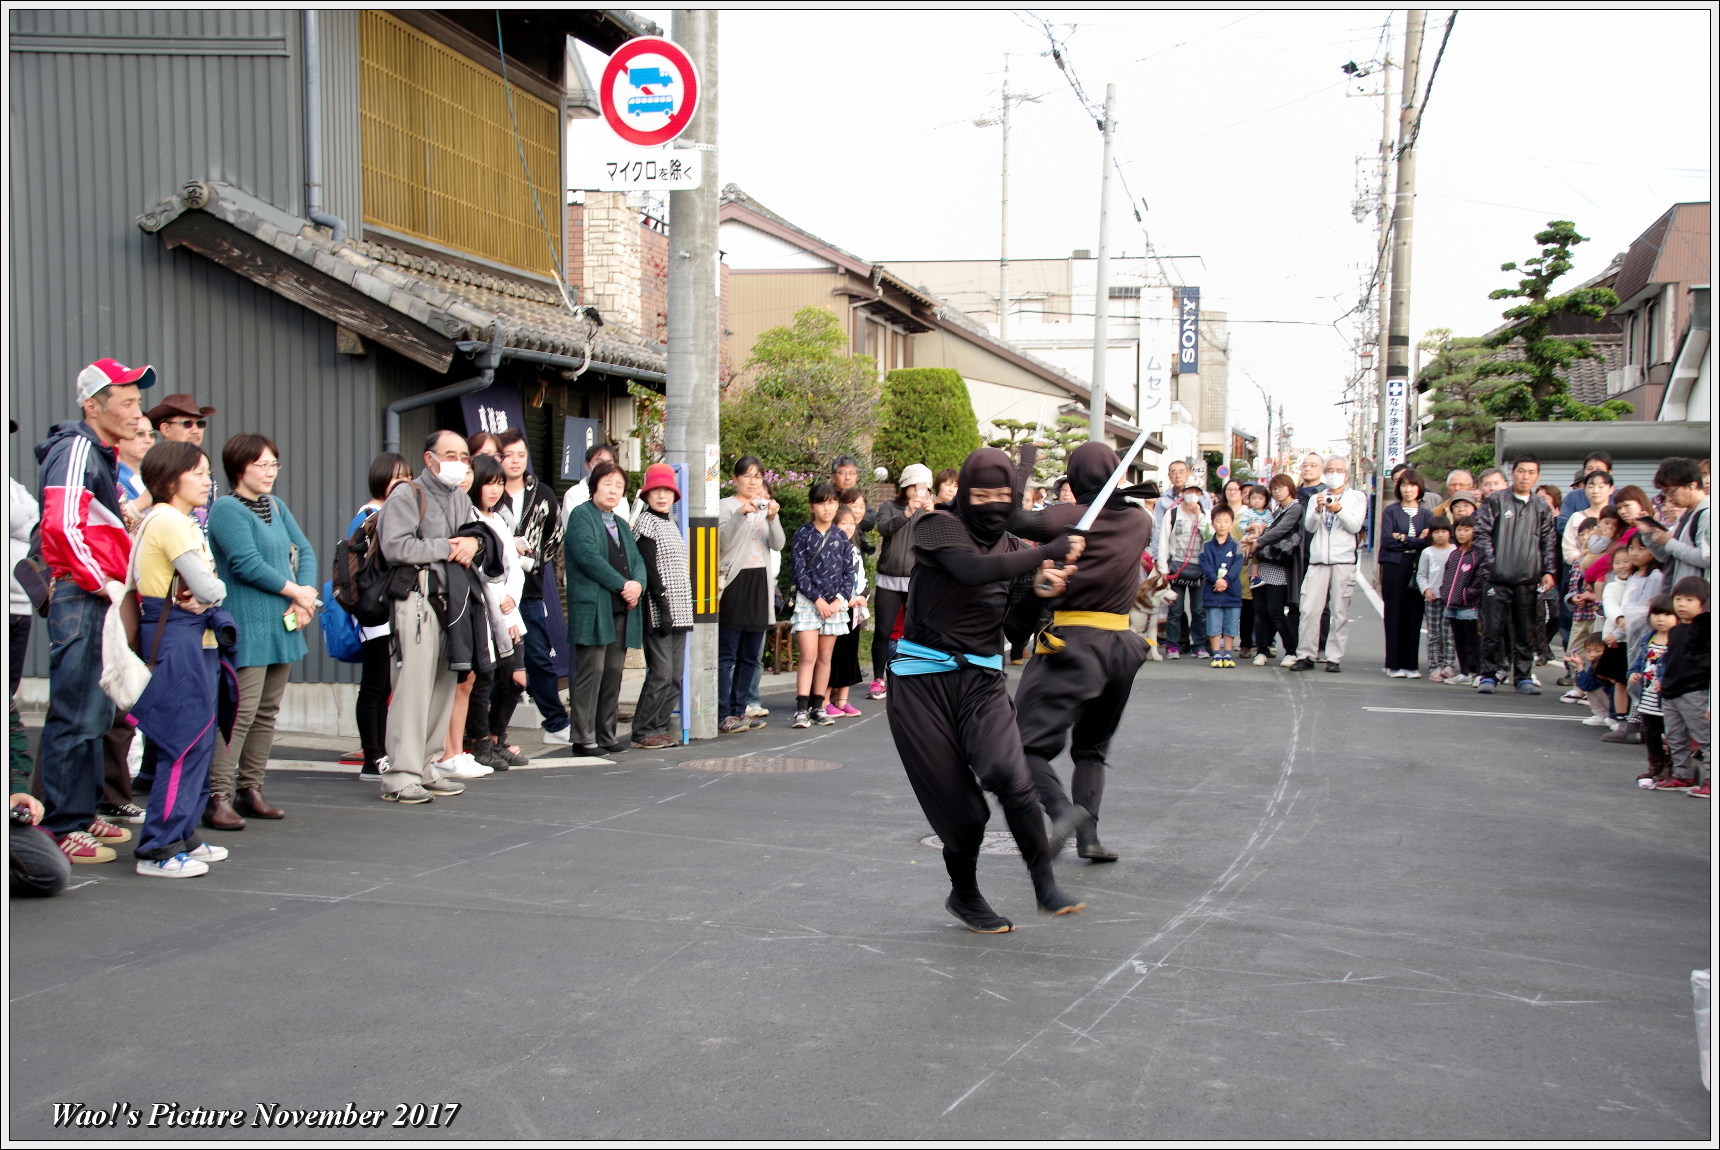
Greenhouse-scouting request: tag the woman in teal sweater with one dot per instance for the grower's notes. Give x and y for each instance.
(605, 582)
(270, 572)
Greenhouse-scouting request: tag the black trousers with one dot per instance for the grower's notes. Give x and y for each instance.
(956, 734)
(375, 680)
(1466, 637)
(1076, 694)
(1276, 612)
(885, 604)
(494, 697)
(1403, 610)
(1510, 620)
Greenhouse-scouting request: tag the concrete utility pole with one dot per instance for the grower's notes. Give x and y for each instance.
(1102, 281)
(1383, 221)
(690, 407)
(1003, 237)
(1403, 226)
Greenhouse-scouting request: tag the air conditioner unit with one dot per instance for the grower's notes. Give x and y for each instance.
(630, 454)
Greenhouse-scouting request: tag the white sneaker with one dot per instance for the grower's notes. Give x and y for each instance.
(463, 766)
(1397, 674)
(208, 853)
(1287, 661)
(561, 738)
(1412, 674)
(1597, 721)
(1459, 679)
(754, 711)
(1260, 660)
(180, 865)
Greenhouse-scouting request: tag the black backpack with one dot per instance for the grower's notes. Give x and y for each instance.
(362, 579)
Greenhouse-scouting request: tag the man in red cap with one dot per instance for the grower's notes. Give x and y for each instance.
(87, 551)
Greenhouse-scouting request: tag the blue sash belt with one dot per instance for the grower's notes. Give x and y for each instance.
(914, 659)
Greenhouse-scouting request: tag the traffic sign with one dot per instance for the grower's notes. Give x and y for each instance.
(1224, 471)
(649, 91)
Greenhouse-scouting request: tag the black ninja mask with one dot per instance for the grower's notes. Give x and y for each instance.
(986, 467)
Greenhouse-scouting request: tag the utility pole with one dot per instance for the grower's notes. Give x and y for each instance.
(1102, 281)
(690, 396)
(1382, 241)
(1403, 226)
(1003, 237)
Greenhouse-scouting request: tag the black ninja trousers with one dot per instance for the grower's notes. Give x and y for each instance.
(956, 734)
(1076, 694)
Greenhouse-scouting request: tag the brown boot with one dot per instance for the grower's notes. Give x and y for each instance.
(250, 801)
(219, 815)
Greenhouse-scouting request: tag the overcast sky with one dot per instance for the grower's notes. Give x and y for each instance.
(1244, 139)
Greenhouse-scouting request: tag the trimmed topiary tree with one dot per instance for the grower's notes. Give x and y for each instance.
(925, 417)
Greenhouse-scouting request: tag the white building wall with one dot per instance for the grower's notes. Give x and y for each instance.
(746, 248)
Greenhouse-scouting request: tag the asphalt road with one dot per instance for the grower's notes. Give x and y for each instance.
(1348, 908)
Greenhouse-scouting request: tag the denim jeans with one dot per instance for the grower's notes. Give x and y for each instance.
(541, 681)
(79, 713)
(1190, 599)
(738, 654)
(754, 678)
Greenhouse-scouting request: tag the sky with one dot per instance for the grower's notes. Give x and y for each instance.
(1244, 140)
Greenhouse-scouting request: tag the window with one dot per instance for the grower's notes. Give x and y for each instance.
(1125, 302)
(438, 151)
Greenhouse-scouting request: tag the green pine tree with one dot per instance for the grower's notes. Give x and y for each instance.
(925, 417)
(1537, 387)
(1461, 431)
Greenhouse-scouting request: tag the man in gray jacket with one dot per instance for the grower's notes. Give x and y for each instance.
(415, 529)
(1516, 540)
(1684, 549)
(1334, 518)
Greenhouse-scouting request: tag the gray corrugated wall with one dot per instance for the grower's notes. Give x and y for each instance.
(100, 135)
(343, 178)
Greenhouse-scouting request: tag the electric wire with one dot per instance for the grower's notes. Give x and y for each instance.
(555, 258)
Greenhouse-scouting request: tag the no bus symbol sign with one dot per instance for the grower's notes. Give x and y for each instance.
(649, 91)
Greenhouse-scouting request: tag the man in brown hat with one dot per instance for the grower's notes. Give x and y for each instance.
(179, 418)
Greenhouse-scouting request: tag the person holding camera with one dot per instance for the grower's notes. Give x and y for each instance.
(1334, 518)
(270, 572)
(748, 531)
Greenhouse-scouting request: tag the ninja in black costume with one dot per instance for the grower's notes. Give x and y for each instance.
(1078, 682)
(950, 712)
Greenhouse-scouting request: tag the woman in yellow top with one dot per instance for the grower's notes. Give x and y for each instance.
(182, 629)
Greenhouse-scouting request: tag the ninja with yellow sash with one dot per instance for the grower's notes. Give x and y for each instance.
(1077, 685)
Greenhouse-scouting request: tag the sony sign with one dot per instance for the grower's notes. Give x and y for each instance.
(1188, 331)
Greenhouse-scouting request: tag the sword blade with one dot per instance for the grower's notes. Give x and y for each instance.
(1098, 503)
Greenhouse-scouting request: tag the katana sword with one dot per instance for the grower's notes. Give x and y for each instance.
(1098, 503)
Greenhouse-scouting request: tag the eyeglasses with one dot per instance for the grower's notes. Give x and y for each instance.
(272, 465)
(188, 423)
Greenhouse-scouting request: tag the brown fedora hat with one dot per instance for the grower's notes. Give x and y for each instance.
(177, 404)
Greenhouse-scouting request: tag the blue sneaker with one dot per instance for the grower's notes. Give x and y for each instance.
(1486, 686)
(1528, 687)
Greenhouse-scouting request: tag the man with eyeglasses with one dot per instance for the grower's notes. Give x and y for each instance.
(179, 418)
(416, 531)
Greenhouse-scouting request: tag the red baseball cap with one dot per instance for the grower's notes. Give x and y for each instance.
(109, 373)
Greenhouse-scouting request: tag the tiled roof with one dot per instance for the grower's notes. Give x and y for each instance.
(1587, 377)
(452, 299)
(1674, 249)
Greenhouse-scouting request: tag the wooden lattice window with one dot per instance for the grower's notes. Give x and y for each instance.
(439, 157)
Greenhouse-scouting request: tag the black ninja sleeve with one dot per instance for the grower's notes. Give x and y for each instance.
(1044, 526)
(942, 541)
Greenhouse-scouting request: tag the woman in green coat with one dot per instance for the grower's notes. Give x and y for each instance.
(605, 586)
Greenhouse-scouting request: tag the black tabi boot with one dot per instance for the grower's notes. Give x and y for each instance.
(965, 901)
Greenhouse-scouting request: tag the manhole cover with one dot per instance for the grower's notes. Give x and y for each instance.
(754, 765)
(994, 843)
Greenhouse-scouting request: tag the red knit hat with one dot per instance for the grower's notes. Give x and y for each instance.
(659, 475)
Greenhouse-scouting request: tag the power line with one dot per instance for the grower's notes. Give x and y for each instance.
(1427, 93)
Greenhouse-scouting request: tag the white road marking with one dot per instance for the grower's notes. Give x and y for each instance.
(1480, 714)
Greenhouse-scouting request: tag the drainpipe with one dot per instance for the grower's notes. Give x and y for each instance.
(313, 132)
(485, 359)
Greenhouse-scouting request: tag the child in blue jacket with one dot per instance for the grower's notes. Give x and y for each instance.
(1221, 569)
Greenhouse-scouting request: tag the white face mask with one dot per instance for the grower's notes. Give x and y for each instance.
(452, 472)
(1334, 479)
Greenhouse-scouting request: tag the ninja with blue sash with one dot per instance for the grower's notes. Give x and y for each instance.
(950, 711)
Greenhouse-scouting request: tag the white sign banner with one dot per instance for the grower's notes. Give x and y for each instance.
(598, 162)
(1395, 445)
